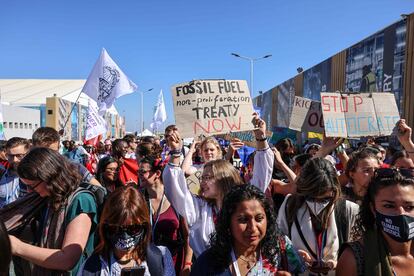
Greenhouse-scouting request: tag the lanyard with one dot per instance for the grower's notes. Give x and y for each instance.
(236, 266)
(320, 244)
(214, 215)
(157, 215)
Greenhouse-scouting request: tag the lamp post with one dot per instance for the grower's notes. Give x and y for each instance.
(142, 109)
(252, 60)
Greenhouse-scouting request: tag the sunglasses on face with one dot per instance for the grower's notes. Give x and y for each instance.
(132, 229)
(391, 172)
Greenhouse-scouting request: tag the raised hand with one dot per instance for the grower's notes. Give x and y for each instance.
(259, 126)
(174, 140)
(404, 133)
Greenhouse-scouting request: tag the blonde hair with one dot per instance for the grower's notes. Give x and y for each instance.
(211, 140)
(225, 175)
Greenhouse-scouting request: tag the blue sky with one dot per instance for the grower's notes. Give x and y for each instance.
(162, 43)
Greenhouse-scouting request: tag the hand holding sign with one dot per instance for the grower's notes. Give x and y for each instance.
(329, 144)
(259, 127)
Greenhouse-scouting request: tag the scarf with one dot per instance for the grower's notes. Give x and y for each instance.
(377, 258)
(52, 235)
(21, 212)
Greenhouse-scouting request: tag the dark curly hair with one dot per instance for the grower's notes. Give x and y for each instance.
(365, 220)
(222, 241)
(355, 157)
(60, 175)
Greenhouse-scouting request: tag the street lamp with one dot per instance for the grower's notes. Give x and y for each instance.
(252, 60)
(142, 109)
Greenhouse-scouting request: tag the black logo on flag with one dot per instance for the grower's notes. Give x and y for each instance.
(107, 83)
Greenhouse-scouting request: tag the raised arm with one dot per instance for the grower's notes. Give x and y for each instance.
(187, 165)
(175, 183)
(264, 158)
(404, 136)
(283, 166)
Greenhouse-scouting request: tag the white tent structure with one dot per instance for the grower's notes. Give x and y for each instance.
(146, 132)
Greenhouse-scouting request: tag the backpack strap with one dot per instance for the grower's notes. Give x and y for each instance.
(93, 265)
(286, 217)
(303, 238)
(155, 260)
(341, 221)
(358, 250)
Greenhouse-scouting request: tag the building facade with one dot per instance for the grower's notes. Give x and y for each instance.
(382, 62)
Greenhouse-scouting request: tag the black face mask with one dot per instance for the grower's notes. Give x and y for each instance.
(124, 241)
(400, 228)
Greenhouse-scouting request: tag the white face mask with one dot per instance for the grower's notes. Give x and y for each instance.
(317, 207)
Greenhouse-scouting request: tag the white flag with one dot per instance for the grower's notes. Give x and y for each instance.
(160, 115)
(95, 124)
(107, 82)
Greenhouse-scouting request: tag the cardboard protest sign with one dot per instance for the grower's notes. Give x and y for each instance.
(247, 137)
(212, 107)
(306, 115)
(358, 115)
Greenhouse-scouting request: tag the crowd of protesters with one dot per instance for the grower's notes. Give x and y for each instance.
(151, 206)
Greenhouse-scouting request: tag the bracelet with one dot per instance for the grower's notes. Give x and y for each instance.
(261, 139)
(173, 152)
(188, 263)
(409, 151)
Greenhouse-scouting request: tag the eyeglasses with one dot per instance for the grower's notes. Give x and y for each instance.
(131, 230)
(33, 187)
(142, 172)
(18, 156)
(206, 177)
(391, 172)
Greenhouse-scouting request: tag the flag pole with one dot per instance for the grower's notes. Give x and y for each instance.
(70, 113)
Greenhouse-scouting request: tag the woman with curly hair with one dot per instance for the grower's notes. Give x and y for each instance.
(315, 218)
(384, 229)
(68, 221)
(359, 170)
(247, 241)
(200, 211)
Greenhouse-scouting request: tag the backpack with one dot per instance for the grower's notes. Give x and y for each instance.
(340, 220)
(99, 193)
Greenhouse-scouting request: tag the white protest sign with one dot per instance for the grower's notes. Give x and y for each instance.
(95, 124)
(358, 115)
(212, 107)
(306, 115)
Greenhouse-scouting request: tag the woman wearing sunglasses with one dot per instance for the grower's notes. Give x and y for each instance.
(124, 233)
(315, 218)
(385, 228)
